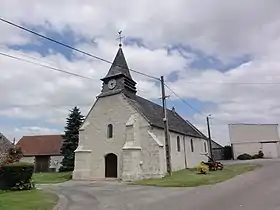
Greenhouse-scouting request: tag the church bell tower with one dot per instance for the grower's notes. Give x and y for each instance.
(118, 78)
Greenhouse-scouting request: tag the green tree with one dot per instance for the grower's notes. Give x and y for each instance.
(71, 139)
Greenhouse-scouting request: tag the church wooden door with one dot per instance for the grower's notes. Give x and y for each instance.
(111, 166)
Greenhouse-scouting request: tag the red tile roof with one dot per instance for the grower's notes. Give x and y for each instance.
(41, 145)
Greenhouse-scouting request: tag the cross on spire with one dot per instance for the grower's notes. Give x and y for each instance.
(120, 37)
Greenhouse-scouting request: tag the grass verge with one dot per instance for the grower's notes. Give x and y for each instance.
(191, 178)
(27, 200)
(51, 178)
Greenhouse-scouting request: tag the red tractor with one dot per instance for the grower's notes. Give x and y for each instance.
(213, 164)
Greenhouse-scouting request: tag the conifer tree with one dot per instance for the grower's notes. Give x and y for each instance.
(71, 139)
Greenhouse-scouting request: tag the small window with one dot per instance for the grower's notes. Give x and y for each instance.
(110, 131)
(192, 149)
(178, 144)
(205, 147)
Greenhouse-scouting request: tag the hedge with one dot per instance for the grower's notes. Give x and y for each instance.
(17, 176)
(244, 156)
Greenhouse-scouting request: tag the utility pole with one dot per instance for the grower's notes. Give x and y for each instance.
(209, 136)
(166, 128)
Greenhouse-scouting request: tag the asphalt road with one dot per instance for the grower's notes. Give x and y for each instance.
(256, 190)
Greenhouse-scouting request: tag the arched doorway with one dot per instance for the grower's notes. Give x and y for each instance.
(111, 166)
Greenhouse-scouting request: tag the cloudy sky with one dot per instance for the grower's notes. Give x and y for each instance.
(222, 57)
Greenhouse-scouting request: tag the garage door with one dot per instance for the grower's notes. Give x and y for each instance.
(270, 150)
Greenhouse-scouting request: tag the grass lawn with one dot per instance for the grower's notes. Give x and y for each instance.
(51, 178)
(27, 200)
(191, 178)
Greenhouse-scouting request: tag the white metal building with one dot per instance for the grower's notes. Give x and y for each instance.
(250, 138)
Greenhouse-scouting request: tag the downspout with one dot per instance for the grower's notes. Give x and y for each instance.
(185, 154)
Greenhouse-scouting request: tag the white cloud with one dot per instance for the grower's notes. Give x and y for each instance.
(33, 130)
(223, 28)
(233, 102)
(31, 92)
(215, 26)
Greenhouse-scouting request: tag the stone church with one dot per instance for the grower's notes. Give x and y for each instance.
(123, 137)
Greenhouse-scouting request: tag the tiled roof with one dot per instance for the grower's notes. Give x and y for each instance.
(41, 145)
(5, 145)
(154, 114)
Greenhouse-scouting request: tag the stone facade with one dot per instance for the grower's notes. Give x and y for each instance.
(5, 145)
(139, 147)
(186, 157)
(93, 134)
(55, 162)
(30, 159)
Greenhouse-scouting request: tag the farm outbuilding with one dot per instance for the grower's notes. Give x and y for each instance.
(251, 138)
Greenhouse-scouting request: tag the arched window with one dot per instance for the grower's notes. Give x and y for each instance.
(178, 144)
(110, 131)
(205, 147)
(192, 149)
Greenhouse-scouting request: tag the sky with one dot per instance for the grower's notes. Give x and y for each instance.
(221, 57)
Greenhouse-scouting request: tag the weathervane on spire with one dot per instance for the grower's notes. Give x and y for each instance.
(120, 37)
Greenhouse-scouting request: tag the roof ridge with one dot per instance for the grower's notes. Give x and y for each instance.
(153, 112)
(41, 144)
(156, 104)
(166, 108)
(43, 135)
(194, 127)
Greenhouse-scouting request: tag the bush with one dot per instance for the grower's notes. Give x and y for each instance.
(255, 156)
(244, 156)
(259, 155)
(14, 155)
(17, 176)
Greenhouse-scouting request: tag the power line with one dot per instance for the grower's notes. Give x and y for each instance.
(51, 105)
(234, 83)
(31, 57)
(183, 100)
(109, 62)
(220, 120)
(45, 66)
(42, 105)
(53, 68)
(72, 48)
(57, 69)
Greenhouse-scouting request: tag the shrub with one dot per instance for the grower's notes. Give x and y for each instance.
(244, 156)
(17, 176)
(14, 155)
(255, 156)
(261, 154)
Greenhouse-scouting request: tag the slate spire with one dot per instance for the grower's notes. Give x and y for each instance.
(119, 66)
(118, 78)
